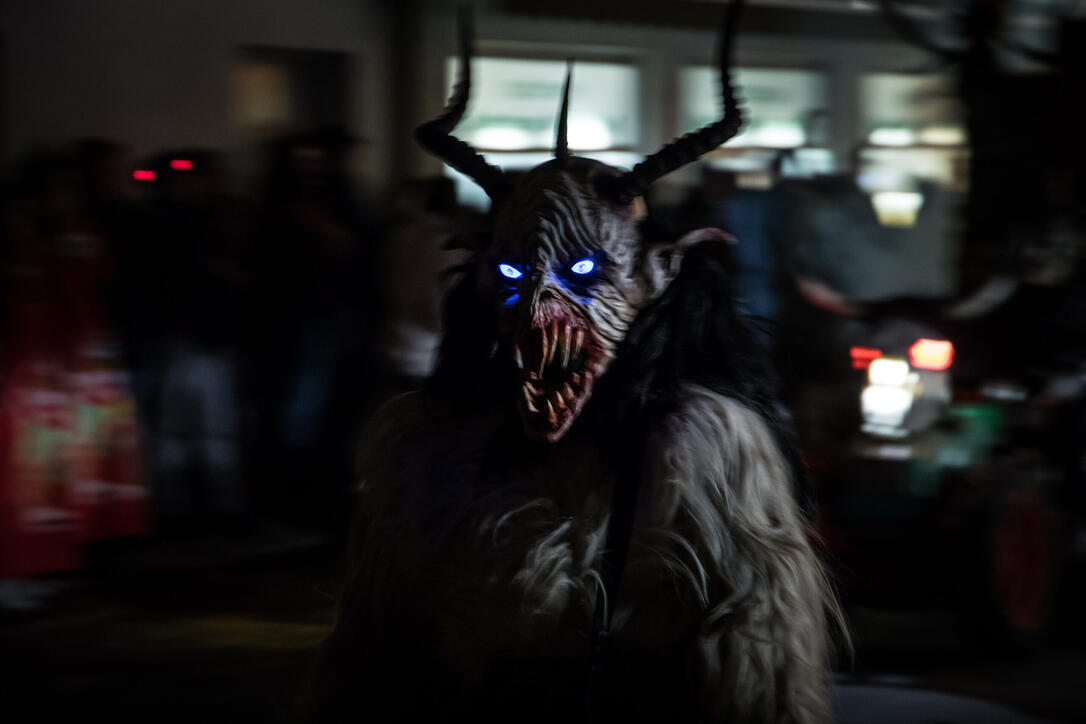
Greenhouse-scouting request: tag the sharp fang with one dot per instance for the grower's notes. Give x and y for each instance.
(558, 402)
(517, 356)
(576, 378)
(554, 343)
(579, 342)
(552, 416)
(566, 340)
(546, 349)
(528, 400)
(568, 392)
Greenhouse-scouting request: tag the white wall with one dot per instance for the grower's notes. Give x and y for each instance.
(155, 73)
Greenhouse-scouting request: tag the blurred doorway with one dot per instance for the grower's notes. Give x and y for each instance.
(279, 91)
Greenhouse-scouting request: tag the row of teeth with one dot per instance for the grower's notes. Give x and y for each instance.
(566, 340)
(558, 400)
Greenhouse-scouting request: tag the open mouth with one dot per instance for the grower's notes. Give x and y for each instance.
(559, 362)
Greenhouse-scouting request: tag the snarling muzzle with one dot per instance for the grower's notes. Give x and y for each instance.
(559, 359)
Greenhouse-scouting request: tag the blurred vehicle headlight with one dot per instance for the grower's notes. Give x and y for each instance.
(888, 372)
(884, 408)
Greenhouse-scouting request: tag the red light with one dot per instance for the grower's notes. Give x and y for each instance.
(180, 164)
(142, 174)
(862, 357)
(931, 354)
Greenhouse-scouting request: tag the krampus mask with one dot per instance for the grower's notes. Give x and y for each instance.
(567, 262)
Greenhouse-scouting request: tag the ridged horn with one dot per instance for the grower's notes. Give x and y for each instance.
(697, 143)
(436, 135)
(561, 141)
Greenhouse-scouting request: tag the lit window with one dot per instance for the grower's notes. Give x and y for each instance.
(782, 108)
(913, 127)
(512, 117)
(908, 102)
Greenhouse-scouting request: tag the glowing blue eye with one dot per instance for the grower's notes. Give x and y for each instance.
(510, 271)
(584, 266)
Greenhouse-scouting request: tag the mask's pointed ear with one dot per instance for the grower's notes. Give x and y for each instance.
(662, 261)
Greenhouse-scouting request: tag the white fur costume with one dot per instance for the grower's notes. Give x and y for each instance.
(722, 604)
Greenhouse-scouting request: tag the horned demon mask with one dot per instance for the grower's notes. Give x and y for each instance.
(566, 262)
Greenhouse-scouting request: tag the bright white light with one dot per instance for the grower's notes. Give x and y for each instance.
(882, 405)
(892, 137)
(886, 371)
(942, 136)
(588, 134)
(897, 208)
(504, 138)
(882, 178)
(779, 135)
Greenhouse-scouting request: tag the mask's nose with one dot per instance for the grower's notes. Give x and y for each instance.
(545, 306)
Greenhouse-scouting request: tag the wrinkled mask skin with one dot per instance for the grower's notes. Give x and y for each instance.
(570, 274)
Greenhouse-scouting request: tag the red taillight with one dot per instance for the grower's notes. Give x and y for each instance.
(181, 164)
(862, 357)
(142, 174)
(931, 354)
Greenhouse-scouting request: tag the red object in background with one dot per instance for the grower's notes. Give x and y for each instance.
(41, 527)
(931, 354)
(39, 520)
(70, 468)
(142, 174)
(107, 473)
(181, 164)
(862, 357)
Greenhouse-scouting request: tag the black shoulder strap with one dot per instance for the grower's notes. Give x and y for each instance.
(619, 529)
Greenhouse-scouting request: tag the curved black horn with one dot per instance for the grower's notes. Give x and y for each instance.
(561, 141)
(697, 143)
(436, 135)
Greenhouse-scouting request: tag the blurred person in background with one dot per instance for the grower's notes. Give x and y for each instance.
(751, 211)
(109, 465)
(416, 254)
(313, 326)
(113, 201)
(195, 229)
